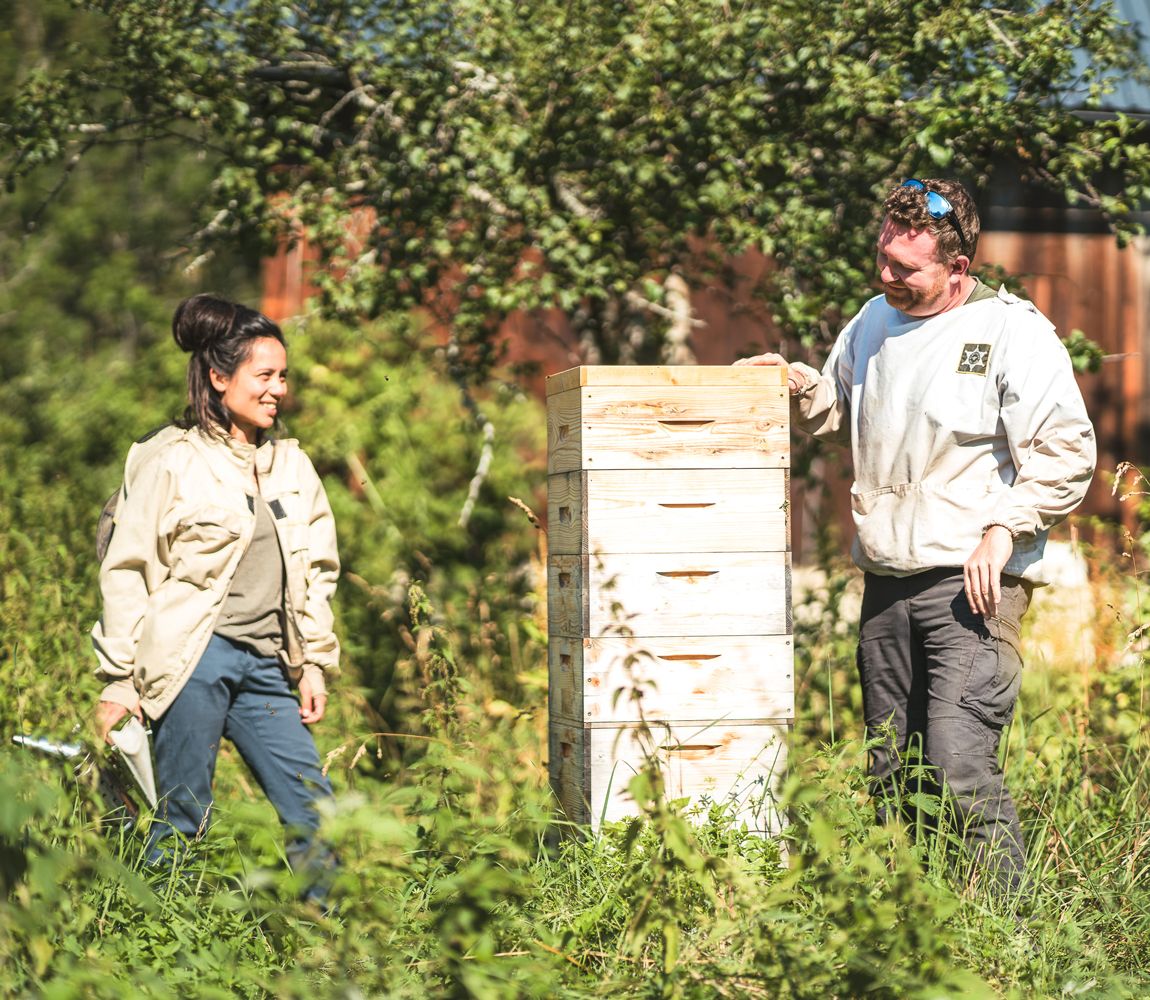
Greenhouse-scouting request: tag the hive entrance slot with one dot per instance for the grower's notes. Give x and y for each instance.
(685, 425)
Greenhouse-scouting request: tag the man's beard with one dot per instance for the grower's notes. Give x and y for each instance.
(916, 301)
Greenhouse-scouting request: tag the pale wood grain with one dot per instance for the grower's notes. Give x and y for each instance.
(674, 510)
(740, 765)
(666, 375)
(688, 678)
(564, 433)
(692, 427)
(669, 586)
(672, 594)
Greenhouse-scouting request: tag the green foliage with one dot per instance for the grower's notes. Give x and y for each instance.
(450, 885)
(1085, 354)
(79, 916)
(826, 633)
(572, 155)
(399, 444)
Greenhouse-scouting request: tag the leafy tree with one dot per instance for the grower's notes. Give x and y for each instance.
(501, 155)
(88, 245)
(89, 275)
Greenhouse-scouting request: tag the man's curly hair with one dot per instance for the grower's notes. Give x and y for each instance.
(907, 207)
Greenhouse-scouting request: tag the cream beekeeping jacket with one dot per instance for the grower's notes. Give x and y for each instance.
(957, 421)
(184, 520)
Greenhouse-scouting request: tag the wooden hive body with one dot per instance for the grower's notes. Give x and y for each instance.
(669, 586)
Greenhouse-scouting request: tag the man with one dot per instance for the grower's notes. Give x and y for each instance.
(969, 440)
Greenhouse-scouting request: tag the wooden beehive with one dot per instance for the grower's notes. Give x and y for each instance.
(669, 586)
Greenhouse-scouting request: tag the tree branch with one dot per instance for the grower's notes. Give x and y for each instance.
(566, 196)
(321, 73)
(637, 301)
(481, 471)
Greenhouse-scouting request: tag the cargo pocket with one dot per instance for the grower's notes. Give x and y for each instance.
(994, 671)
(201, 547)
(297, 556)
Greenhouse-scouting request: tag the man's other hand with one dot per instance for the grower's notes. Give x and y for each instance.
(982, 572)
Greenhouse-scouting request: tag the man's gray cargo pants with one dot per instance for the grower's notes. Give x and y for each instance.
(939, 677)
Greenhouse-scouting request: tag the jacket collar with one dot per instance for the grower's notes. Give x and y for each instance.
(239, 455)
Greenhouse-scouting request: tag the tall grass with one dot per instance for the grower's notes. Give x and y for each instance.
(459, 879)
(452, 885)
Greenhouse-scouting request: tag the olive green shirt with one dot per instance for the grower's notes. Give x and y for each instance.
(980, 291)
(252, 613)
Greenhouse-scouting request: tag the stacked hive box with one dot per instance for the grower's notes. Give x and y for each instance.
(669, 586)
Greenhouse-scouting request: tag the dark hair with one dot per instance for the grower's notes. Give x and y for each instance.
(219, 335)
(907, 207)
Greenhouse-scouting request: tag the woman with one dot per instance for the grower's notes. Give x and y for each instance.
(217, 584)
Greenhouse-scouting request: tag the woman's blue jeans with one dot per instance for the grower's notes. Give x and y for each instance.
(235, 693)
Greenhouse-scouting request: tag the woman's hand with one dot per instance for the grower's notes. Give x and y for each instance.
(311, 703)
(108, 716)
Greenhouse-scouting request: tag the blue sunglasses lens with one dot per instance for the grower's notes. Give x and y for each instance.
(938, 207)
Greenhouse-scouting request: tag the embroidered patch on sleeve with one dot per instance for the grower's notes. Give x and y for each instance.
(975, 359)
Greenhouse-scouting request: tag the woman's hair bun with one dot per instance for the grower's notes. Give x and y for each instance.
(218, 334)
(201, 321)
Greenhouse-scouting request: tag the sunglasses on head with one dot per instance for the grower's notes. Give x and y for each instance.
(938, 207)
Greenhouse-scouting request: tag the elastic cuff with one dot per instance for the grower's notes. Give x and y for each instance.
(809, 376)
(122, 692)
(314, 676)
(999, 524)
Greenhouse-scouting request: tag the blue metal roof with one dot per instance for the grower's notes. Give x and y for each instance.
(1130, 95)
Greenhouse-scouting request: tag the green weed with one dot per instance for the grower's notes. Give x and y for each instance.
(452, 880)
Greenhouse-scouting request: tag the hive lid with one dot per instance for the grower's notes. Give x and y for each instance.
(723, 376)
